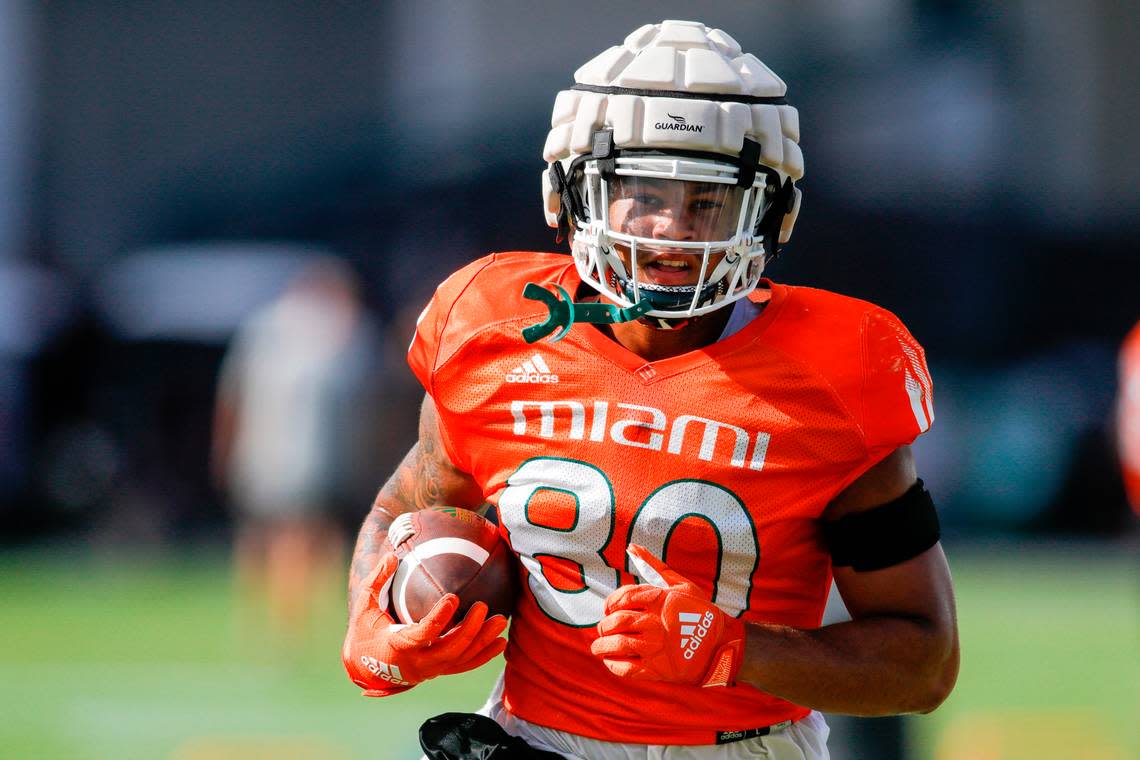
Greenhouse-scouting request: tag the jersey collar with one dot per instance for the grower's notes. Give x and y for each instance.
(613, 352)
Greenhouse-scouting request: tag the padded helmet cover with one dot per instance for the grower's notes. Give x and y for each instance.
(648, 91)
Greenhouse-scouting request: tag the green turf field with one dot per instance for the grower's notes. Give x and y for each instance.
(105, 658)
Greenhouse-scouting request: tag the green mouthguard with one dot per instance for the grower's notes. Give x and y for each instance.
(564, 313)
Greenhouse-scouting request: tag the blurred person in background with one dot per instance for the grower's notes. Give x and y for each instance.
(290, 441)
(1128, 416)
(639, 462)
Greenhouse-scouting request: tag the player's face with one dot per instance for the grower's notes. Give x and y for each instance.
(668, 210)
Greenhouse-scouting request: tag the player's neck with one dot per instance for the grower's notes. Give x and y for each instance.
(653, 344)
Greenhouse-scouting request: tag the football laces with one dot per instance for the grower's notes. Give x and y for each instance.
(401, 529)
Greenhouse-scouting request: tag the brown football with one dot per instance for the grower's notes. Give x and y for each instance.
(447, 550)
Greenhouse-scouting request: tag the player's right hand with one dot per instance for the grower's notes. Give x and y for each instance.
(384, 657)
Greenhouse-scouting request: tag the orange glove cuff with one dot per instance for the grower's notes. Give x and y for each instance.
(726, 662)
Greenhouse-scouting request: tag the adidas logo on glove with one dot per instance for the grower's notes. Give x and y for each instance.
(694, 628)
(384, 671)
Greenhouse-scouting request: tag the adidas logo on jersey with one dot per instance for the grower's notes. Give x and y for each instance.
(533, 371)
(694, 628)
(384, 671)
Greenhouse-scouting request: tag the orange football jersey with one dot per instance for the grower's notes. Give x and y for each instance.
(720, 461)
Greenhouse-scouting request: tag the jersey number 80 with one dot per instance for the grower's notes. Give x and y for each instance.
(583, 538)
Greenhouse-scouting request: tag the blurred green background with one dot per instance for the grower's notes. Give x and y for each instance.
(111, 658)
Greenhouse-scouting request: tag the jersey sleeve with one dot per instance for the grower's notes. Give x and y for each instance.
(435, 338)
(897, 393)
(425, 341)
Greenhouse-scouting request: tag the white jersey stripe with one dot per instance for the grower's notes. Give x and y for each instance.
(924, 380)
(928, 407)
(541, 365)
(914, 392)
(921, 378)
(528, 368)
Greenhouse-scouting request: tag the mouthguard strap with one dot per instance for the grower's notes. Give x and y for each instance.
(564, 313)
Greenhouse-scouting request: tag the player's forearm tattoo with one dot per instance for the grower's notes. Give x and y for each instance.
(427, 486)
(419, 480)
(367, 552)
(417, 483)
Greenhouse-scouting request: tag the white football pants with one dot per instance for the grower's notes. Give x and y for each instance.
(804, 740)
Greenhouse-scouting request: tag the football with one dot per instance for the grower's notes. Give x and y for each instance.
(447, 550)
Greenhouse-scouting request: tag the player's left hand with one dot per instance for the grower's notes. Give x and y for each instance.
(668, 631)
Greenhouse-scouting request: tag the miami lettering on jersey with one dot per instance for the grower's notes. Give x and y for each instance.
(720, 461)
(650, 422)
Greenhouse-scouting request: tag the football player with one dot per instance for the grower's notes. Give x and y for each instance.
(682, 454)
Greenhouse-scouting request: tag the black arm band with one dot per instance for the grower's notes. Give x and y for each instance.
(885, 535)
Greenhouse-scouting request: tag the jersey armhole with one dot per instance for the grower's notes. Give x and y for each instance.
(872, 459)
(449, 446)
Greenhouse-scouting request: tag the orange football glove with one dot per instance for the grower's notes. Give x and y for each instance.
(668, 631)
(384, 657)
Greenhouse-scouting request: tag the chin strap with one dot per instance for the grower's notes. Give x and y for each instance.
(564, 313)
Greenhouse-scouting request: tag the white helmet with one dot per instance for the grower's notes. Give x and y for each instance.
(676, 106)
